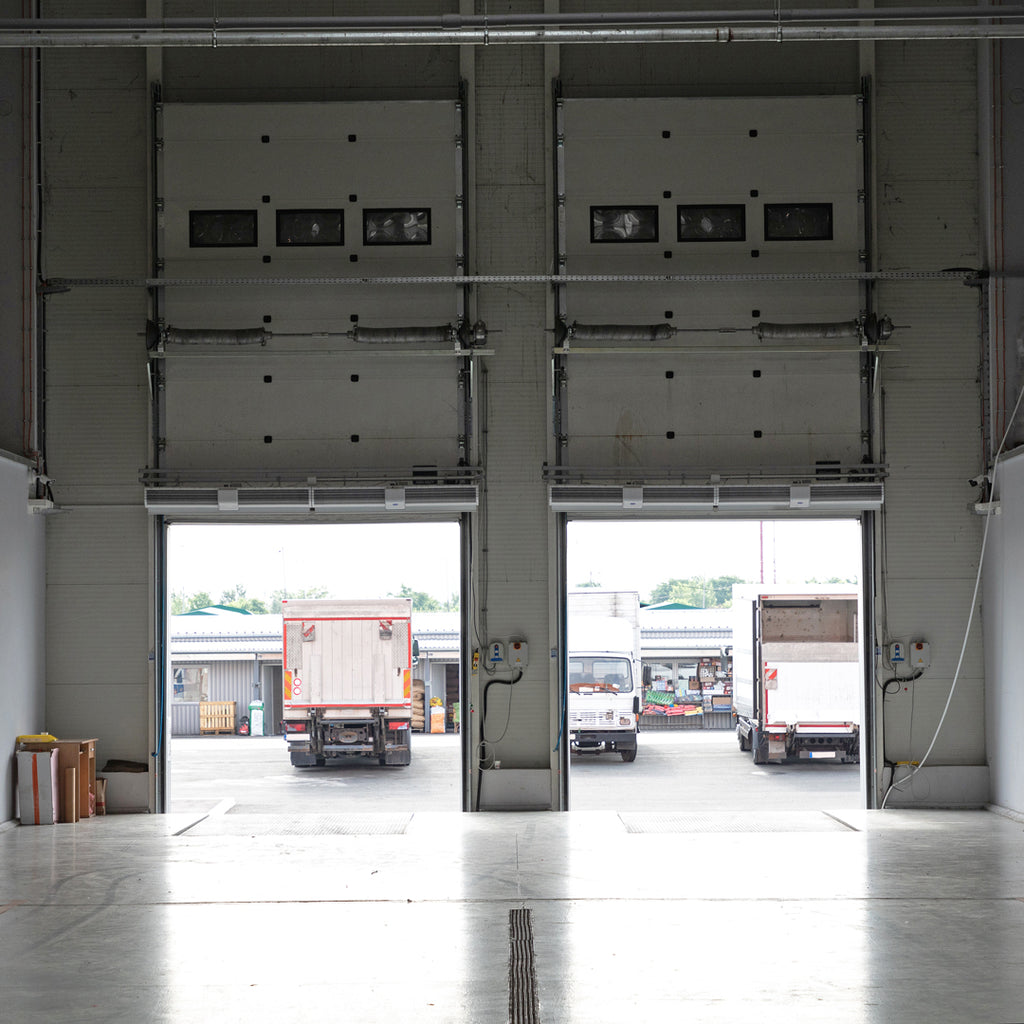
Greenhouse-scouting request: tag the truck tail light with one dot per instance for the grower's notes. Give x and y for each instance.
(294, 726)
(395, 726)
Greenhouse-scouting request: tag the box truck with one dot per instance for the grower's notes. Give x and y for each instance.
(347, 680)
(603, 671)
(797, 671)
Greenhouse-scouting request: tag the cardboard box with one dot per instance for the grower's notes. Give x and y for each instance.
(38, 798)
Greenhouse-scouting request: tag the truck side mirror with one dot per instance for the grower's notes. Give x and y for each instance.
(636, 705)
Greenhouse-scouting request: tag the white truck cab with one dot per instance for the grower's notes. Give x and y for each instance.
(604, 681)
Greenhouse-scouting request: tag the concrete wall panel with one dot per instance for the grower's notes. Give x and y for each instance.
(96, 223)
(931, 407)
(22, 624)
(1003, 594)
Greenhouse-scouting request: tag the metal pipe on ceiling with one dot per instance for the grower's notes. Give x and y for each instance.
(446, 30)
(455, 21)
(215, 38)
(60, 285)
(725, 350)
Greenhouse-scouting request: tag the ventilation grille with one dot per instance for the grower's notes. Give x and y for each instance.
(418, 498)
(270, 499)
(837, 497)
(522, 980)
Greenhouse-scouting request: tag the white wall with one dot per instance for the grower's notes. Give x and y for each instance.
(22, 570)
(22, 579)
(926, 196)
(1001, 137)
(96, 213)
(511, 565)
(1002, 595)
(15, 194)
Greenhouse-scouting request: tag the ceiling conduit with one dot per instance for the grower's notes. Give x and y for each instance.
(778, 25)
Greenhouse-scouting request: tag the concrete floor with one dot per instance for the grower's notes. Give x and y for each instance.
(849, 916)
(684, 770)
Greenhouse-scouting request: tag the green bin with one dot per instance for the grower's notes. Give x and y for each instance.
(256, 718)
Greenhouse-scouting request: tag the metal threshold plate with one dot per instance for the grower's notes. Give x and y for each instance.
(301, 825)
(754, 821)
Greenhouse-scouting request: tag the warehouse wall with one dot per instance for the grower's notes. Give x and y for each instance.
(925, 199)
(1001, 138)
(22, 590)
(512, 566)
(15, 197)
(1003, 595)
(98, 595)
(927, 208)
(304, 74)
(22, 536)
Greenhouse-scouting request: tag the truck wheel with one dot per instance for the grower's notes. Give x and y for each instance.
(628, 755)
(744, 740)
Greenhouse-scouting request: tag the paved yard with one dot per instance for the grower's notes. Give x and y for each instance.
(674, 771)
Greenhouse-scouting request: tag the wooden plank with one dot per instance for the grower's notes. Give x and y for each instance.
(68, 791)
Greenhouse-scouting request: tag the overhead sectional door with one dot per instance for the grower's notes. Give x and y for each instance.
(297, 332)
(712, 318)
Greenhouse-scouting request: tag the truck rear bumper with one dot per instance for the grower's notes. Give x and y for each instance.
(777, 745)
(325, 741)
(837, 746)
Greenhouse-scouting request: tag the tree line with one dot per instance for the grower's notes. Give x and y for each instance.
(694, 591)
(703, 591)
(236, 597)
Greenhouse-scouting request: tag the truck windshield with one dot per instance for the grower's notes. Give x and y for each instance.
(587, 675)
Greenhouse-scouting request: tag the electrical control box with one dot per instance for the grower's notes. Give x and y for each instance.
(920, 654)
(518, 654)
(496, 655)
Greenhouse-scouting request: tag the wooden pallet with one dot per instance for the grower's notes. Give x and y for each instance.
(217, 716)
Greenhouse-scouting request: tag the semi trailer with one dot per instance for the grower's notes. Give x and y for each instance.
(347, 680)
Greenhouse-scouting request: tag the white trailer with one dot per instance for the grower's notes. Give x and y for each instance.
(797, 671)
(348, 680)
(604, 675)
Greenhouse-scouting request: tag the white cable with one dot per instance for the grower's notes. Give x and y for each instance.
(970, 618)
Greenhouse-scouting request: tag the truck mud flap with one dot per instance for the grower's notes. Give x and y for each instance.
(303, 760)
(759, 746)
(400, 756)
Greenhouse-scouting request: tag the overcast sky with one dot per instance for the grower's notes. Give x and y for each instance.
(373, 561)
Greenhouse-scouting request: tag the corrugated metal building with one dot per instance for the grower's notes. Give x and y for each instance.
(220, 655)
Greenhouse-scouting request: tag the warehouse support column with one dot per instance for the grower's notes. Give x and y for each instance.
(513, 724)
